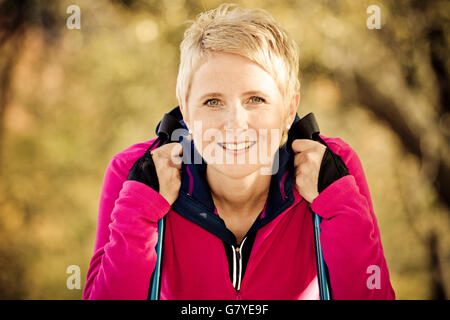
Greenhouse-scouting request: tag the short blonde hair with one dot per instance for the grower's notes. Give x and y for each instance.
(252, 33)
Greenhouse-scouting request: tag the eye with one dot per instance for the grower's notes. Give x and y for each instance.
(256, 99)
(212, 102)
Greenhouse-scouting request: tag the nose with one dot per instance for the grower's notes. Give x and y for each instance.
(237, 117)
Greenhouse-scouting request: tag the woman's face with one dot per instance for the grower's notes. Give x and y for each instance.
(236, 114)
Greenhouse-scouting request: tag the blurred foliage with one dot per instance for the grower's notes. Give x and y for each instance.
(71, 99)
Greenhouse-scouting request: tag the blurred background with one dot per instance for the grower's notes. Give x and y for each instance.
(72, 98)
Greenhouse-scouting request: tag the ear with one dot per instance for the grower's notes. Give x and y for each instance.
(293, 106)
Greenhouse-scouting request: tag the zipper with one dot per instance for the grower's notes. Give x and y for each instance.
(237, 265)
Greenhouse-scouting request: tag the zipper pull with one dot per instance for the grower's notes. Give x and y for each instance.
(238, 252)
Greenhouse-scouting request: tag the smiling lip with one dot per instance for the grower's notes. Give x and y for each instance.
(237, 146)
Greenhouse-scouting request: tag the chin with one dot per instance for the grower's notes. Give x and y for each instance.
(236, 171)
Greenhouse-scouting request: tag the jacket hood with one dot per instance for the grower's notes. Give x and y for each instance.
(195, 202)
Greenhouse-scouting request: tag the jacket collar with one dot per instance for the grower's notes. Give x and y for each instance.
(195, 202)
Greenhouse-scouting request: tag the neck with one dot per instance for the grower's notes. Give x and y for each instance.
(238, 196)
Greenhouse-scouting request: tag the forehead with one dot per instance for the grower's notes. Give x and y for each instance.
(222, 71)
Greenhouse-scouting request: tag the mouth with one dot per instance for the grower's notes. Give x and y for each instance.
(237, 146)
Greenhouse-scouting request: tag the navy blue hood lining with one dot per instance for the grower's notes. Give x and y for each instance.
(195, 201)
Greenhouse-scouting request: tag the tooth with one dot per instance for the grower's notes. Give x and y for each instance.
(240, 146)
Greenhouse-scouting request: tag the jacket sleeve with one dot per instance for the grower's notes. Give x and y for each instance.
(350, 237)
(127, 232)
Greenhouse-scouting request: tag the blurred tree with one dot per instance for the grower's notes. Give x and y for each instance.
(16, 17)
(399, 73)
(404, 82)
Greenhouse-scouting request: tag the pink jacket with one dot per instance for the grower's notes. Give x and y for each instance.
(282, 261)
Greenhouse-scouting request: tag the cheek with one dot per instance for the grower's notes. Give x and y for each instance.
(203, 124)
(207, 136)
(270, 122)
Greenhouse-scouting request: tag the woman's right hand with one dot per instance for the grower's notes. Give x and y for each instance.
(160, 169)
(167, 159)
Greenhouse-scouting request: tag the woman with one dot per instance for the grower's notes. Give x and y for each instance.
(235, 230)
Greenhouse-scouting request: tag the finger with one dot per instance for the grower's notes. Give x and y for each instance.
(176, 153)
(177, 163)
(298, 159)
(168, 149)
(302, 167)
(300, 145)
(304, 157)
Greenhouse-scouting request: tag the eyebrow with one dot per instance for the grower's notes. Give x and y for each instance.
(218, 94)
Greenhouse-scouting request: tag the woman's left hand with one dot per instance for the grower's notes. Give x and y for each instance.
(307, 161)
